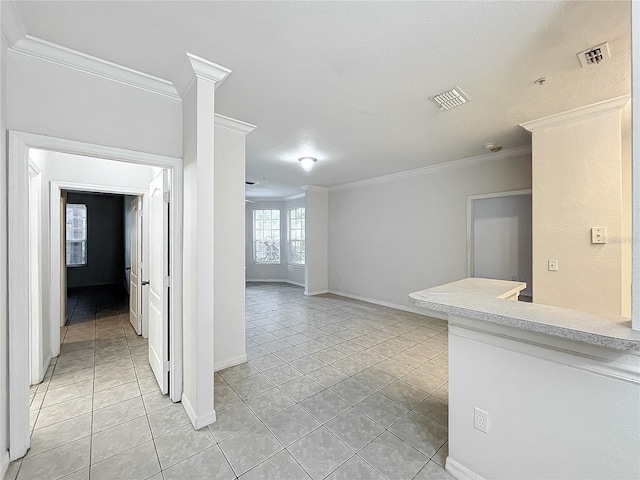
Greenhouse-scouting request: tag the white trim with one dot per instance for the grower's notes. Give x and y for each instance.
(197, 422)
(66, 57)
(470, 232)
(275, 280)
(197, 67)
(232, 362)
(37, 366)
(317, 292)
(397, 306)
(635, 142)
(233, 124)
(19, 144)
(295, 197)
(460, 471)
(464, 162)
(577, 114)
(313, 188)
(590, 358)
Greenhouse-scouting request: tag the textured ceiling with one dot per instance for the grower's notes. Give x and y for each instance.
(348, 82)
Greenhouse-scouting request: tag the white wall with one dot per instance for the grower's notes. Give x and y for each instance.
(392, 238)
(284, 272)
(558, 411)
(4, 400)
(502, 239)
(316, 240)
(229, 249)
(577, 172)
(51, 100)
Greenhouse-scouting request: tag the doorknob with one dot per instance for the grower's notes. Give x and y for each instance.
(145, 282)
(127, 268)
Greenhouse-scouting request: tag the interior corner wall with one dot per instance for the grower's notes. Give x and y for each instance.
(627, 211)
(262, 272)
(105, 241)
(392, 238)
(4, 400)
(577, 185)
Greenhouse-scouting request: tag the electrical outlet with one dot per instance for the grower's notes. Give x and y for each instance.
(481, 420)
(552, 265)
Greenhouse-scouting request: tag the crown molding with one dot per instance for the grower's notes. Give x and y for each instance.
(66, 57)
(576, 114)
(464, 162)
(198, 67)
(313, 188)
(295, 197)
(233, 124)
(12, 27)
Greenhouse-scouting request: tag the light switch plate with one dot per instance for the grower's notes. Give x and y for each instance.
(552, 265)
(599, 235)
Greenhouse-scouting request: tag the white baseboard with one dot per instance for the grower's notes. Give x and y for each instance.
(197, 422)
(317, 292)
(45, 366)
(232, 362)
(460, 471)
(276, 280)
(404, 308)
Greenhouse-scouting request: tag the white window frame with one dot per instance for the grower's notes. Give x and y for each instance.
(83, 240)
(263, 230)
(290, 229)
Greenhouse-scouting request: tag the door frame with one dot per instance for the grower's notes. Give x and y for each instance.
(18, 266)
(470, 218)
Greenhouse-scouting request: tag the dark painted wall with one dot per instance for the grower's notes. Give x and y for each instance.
(105, 241)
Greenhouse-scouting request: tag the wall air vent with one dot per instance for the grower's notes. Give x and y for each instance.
(448, 99)
(594, 55)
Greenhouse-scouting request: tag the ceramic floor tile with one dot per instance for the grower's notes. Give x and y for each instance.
(392, 457)
(441, 455)
(301, 388)
(435, 410)
(290, 354)
(352, 391)
(381, 409)
(281, 466)
(252, 386)
(155, 401)
(79, 475)
(355, 469)
(422, 434)
(433, 471)
(327, 376)
(355, 429)
(68, 392)
(200, 466)
(112, 380)
(117, 394)
(58, 462)
(225, 397)
(269, 403)
(374, 378)
(266, 362)
(291, 424)
(232, 420)
(239, 372)
(423, 380)
(404, 393)
(320, 453)
(137, 463)
(64, 411)
(60, 434)
(282, 374)
(61, 380)
(324, 406)
(120, 438)
(117, 414)
(307, 364)
(250, 448)
(181, 444)
(168, 419)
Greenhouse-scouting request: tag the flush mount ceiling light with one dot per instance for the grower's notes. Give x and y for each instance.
(307, 162)
(492, 147)
(448, 99)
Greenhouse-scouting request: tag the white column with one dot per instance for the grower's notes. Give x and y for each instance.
(316, 277)
(229, 242)
(635, 126)
(197, 89)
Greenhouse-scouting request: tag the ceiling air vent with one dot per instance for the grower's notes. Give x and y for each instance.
(453, 97)
(594, 55)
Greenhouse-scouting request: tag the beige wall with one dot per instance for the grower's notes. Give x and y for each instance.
(577, 185)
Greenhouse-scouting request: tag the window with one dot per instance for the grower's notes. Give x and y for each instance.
(76, 235)
(296, 236)
(266, 236)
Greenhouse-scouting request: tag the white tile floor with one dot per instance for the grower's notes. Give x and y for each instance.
(333, 389)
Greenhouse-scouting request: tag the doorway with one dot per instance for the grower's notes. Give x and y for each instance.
(20, 145)
(499, 237)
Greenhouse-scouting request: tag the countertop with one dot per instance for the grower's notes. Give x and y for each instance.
(484, 299)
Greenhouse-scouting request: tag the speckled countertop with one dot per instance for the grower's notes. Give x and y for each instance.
(483, 299)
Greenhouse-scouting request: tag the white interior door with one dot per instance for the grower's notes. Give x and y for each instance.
(158, 271)
(135, 272)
